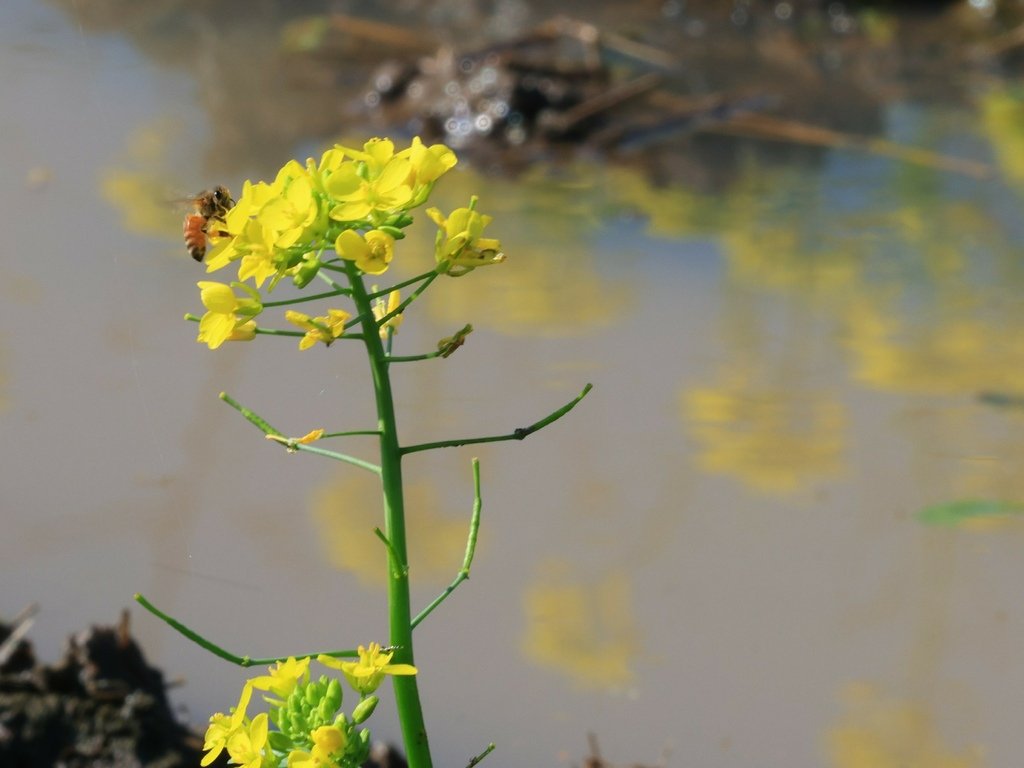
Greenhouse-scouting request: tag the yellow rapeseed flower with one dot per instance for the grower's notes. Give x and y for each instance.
(228, 317)
(365, 675)
(459, 247)
(382, 309)
(378, 185)
(294, 214)
(228, 249)
(285, 675)
(257, 246)
(327, 740)
(223, 727)
(323, 329)
(428, 165)
(246, 745)
(371, 252)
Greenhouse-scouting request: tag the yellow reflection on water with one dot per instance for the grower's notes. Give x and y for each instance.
(347, 507)
(878, 731)
(953, 350)
(551, 292)
(670, 212)
(582, 628)
(1002, 116)
(139, 184)
(772, 255)
(773, 439)
(551, 285)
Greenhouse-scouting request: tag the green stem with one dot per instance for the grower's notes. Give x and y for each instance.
(407, 699)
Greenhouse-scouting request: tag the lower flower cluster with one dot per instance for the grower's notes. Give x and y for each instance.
(304, 727)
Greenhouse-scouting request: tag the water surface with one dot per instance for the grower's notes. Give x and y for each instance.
(717, 554)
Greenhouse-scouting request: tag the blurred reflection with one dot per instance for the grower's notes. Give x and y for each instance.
(947, 348)
(774, 440)
(674, 211)
(140, 184)
(580, 626)
(552, 292)
(769, 254)
(347, 507)
(546, 227)
(1002, 115)
(878, 731)
(232, 51)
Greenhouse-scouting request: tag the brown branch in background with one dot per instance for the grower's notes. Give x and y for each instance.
(751, 124)
(381, 32)
(774, 128)
(565, 121)
(1003, 43)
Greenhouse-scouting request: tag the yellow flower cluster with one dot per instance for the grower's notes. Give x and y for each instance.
(251, 743)
(309, 208)
(355, 202)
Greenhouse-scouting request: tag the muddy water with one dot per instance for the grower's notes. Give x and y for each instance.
(795, 349)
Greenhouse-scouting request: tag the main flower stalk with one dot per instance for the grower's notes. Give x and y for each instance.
(407, 697)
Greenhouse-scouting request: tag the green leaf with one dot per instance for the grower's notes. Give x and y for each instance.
(964, 510)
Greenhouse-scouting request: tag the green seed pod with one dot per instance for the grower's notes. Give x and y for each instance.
(364, 709)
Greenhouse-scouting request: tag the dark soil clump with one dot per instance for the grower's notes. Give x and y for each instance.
(100, 705)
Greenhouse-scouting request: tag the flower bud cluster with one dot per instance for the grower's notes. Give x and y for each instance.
(308, 727)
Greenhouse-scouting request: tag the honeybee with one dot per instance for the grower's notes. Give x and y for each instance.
(208, 206)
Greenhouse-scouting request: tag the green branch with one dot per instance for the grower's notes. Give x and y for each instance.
(467, 561)
(339, 291)
(393, 559)
(518, 434)
(476, 760)
(408, 300)
(258, 421)
(399, 286)
(290, 444)
(216, 650)
(413, 358)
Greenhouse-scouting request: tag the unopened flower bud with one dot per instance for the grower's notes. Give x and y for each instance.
(364, 709)
(306, 272)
